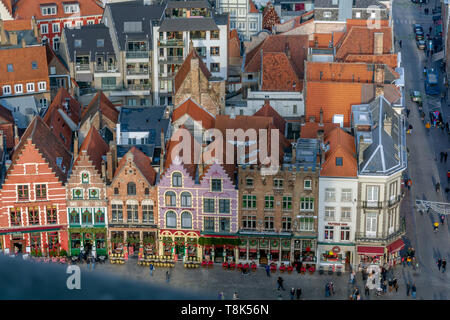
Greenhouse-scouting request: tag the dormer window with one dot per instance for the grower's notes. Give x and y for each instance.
(48, 11)
(100, 43)
(78, 43)
(71, 8)
(339, 161)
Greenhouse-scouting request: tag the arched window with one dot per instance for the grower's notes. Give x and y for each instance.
(177, 180)
(131, 188)
(186, 220)
(171, 199)
(186, 199)
(171, 219)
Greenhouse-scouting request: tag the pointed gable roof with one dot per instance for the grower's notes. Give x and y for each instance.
(95, 147)
(74, 107)
(341, 145)
(6, 115)
(195, 111)
(142, 163)
(50, 147)
(100, 103)
(268, 111)
(186, 67)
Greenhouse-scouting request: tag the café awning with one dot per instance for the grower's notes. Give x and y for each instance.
(396, 246)
(370, 251)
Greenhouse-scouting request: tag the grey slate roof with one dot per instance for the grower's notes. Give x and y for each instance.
(188, 24)
(150, 119)
(134, 11)
(387, 152)
(27, 35)
(221, 19)
(147, 149)
(89, 35)
(188, 4)
(358, 3)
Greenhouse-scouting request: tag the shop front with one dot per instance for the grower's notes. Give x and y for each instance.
(133, 241)
(265, 250)
(220, 248)
(180, 244)
(393, 249)
(369, 255)
(304, 252)
(89, 240)
(335, 257)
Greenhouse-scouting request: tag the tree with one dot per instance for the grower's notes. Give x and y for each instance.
(270, 17)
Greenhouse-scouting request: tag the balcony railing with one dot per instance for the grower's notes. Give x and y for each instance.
(108, 87)
(384, 236)
(136, 54)
(372, 204)
(138, 87)
(82, 67)
(172, 59)
(137, 71)
(106, 68)
(171, 43)
(394, 201)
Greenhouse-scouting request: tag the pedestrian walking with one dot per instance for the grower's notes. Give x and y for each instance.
(267, 270)
(384, 286)
(298, 293)
(167, 276)
(448, 176)
(331, 288)
(407, 113)
(395, 282)
(292, 293)
(235, 296)
(445, 156)
(151, 269)
(221, 296)
(436, 226)
(403, 261)
(280, 283)
(400, 43)
(409, 184)
(413, 290)
(438, 187)
(439, 264)
(93, 262)
(88, 261)
(408, 288)
(444, 265)
(431, 28)
(327, 290)
(352, 277)
(442, 156)
(366, 290)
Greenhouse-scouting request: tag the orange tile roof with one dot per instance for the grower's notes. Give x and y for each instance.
(298, 47)
(323, 39)
(336, 71)
(21, 59)
(364, 23)
(7, 126)
(17, 25)
(333, 98)
(360, 40)
(253, 8)
(388, 59)
(9, 6)
(6, 115)
(25, 9)
(100, 103)
(391, 93)
(278, 73)
(95, 147)
(268, 111)
(142, 162)
(341, 145)
(186, 67)
(309, 129)
(234, 45)
(195, 111)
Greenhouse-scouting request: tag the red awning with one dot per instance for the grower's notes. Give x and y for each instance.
(371, 251)
(252, 250)
(396, 246)
(274, 251)
(243, 250)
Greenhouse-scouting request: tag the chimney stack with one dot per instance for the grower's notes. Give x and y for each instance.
(35, 28)
(13, 39)
(294, 152)
(378, 42)
(321, 117)
(23, 43)
(103, 170)
(3, 39)
(16, 136)
(75, 145)
(387, 125)
(2, 143)
(110, 166)
(320, 136)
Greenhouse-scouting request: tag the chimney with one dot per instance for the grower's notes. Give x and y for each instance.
(110, 166)
(321, 117)
(163, 152)
(378, 42)
(2, 144)
(294, 152)
(195, 79)
(379, 74)
(362, 146)
(320, 135)
(3, 39)
(23, 43)
(103, 170)
(287, 50)
(387, 125)
(35, 28)
(16, 136)
(13, 38)
(75, 145)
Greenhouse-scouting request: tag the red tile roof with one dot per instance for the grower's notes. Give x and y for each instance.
(268, 111)
(339, 72)
(6, 115)
(21, 59)
(196, 112)
(186, 67)
(364, 23)
(360, 40)
(391, 93)
(49, 146)
(335, 98)
(309, 129)
(9, 6)
(25, 9)
(234, 45)
(322, 40)
(297, 45)
(17, 25)
(388, 59)
(142, 162)
(341, 145)
(7, 126)
(253, 8)
(278, 73)
(95, 147)
(100, 103)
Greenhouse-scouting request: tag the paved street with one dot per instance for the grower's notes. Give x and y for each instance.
(424, 166)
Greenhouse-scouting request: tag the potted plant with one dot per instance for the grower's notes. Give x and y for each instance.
(210, 264)
(282, 268)
(225, 266)
(253, 266)
(303, 270)
(204, 263)
(290, 269)
(239, 266)
(232, 265)
(311, 269)
(273, 267)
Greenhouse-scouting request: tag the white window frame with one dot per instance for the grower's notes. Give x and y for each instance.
(58, 27)
(349, 211)
(345, 229)
(68, 24)
(30, 87)
(42, 86)
(327, 14)
(330, 233)
(329, 213)
(18, 88)
(371, 224)
(42, 28)
(330, 194)
(346, 195)
(372, 196)
(6, 88)
(71, 8)
(310, 184)
(89, 22)
(79, 23)
(358, 14)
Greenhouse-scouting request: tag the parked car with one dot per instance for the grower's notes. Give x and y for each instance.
(421, 44)
(419, 35)
(417, 27)
(416, 96)
(437, 10)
